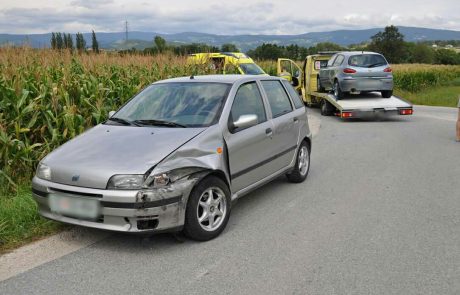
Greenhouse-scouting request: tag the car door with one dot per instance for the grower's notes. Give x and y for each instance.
(290, 71)
(249, 149)
(325, 73)
(285, 122)
(336, 68)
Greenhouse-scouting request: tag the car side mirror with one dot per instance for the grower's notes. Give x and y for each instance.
(245, 121)
(111, 113)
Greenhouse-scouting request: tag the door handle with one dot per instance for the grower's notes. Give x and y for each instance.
(269, 131)
(296, 120)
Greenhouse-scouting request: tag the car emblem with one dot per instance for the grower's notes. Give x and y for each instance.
(75, 177)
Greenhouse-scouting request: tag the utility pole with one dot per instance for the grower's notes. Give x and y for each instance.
(126, 30)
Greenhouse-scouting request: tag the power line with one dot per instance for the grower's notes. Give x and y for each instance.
(126, 30)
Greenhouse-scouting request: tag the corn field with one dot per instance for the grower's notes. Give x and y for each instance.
(48, 97)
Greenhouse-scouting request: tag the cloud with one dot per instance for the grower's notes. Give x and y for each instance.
(219, 17)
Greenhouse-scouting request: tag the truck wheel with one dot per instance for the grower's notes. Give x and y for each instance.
(327, 108)
(387, 93)
(319, 87)
(302, 164)
(337, 91)
(208, 209)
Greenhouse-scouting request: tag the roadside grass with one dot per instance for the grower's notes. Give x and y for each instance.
(20, 222)
(440, 96)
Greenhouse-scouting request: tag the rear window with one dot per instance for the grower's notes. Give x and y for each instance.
(319, 64)
(367, 60)
(251, 69)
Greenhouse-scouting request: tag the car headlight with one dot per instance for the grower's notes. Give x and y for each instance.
(126, 182)
(43, 171)
(164, 179)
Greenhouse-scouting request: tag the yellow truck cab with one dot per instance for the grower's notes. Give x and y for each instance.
(305, 79)
(228, 62)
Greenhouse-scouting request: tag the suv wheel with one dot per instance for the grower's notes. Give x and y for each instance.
(387, 93)
(337, 91)
(302, 164)
(208, 209)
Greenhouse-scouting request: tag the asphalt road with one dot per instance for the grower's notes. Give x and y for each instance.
(378, 214)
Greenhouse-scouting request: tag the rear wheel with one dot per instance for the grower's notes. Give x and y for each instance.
(327, 109)
(302, 164)
(208, 209)
(337, 91)
(387, 93)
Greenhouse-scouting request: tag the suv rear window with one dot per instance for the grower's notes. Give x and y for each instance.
(367, 60)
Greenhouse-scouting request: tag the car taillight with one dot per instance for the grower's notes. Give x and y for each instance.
(406, 112)
(347, 114)
(349, 71)
(388, 70)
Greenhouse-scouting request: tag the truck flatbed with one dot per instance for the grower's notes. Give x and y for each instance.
(360, 105)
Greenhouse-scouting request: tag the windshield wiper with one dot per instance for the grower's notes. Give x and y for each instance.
(376, 65)
(153, 122)
(122, 121)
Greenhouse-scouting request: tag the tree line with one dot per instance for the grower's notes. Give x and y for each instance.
(60, 41)
(390, 43)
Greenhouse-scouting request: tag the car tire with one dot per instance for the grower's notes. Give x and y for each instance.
(319, 87)
(199, 205)
(327, 109)
(338, 93)
(302, 164)
(387, 93)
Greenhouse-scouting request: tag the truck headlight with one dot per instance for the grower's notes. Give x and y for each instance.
(126, 182)
(43, 171)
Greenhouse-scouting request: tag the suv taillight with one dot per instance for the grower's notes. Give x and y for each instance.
(388, 70)
(349, 71)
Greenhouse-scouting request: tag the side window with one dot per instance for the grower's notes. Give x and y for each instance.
(294, 95)
(339, 60)
(248, 101)
(231, 69)
(331, 61)
(277, 97)
(286, 66)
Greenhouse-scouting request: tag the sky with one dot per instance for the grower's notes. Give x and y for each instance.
(223, 17)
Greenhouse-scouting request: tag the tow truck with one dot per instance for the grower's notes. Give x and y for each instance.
(357, 105)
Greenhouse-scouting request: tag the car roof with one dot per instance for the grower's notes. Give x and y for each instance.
(348, 53)
(219, 78)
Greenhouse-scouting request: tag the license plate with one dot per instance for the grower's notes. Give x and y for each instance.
(74, 206)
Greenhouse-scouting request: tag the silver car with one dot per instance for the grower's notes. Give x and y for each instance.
(176, 155)
(356, 71)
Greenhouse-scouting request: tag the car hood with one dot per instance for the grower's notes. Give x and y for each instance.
(90, 159)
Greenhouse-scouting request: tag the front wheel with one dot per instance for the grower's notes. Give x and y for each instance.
(208, 209)
(327, 109)
(302, 164)
(338, 93)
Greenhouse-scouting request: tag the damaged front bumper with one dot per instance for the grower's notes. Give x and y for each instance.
(146, 210)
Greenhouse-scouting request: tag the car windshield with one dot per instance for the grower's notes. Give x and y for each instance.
(182, 104)
(367, 60)
(251, 69)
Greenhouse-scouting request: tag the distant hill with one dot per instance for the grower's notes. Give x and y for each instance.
(141, 40)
